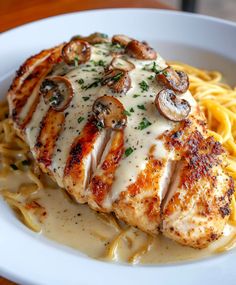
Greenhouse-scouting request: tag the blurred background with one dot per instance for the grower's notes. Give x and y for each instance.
(225, 9)
(17, 12)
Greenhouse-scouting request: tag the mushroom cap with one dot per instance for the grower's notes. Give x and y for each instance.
(173, 79)
(140, 50)
(57, 91)
(110, 112)
(171, 106)
(76, 52)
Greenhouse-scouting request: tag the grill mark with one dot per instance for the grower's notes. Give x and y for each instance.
(50, 129)
(101, 184)
(19, 96)
(80, 148)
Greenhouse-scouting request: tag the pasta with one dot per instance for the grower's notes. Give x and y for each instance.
(216, 99)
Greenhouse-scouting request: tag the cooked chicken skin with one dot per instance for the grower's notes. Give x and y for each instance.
(89, 114)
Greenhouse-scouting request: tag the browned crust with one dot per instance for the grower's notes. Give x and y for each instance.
(50, 128)
(24, 84)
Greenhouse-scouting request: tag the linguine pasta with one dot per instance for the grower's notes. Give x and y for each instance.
(216, 99)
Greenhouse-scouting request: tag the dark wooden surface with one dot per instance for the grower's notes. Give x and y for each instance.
(17, 12)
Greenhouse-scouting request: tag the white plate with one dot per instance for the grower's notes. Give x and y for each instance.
(29, 258)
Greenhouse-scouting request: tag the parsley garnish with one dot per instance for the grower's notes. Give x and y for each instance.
(128, 151)
(141, 107)
(154, 67)
(76, 61)
(80, 81)
(127, 113)
(144, 124)
(143, 86)
(99, 125)
(150, 77)
(117, 77)
(13, 166)
(93, 84)
(131, 110)
(80, 119)
(85, 98)
(136, 95)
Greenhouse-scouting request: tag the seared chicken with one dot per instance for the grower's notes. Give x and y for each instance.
(116, 127)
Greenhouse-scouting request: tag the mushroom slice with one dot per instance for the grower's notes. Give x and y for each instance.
(95, 38)
(122, 64)
(173, 79)
(121, 40)
(140, 50)
(110, 112)
(117, 80)
(57, 91)
(76, 52)
(171, 106)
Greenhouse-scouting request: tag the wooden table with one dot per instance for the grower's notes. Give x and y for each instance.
(17, 12)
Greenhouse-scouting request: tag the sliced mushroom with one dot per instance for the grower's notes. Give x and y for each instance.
(173, 79)
(140, 50)
(95, 38)
(117, 80)
(57, 91)
(76, 52)
(122, 64)
(110, 112)
(171, 106)
(121, 40)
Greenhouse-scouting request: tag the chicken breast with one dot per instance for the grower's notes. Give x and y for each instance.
(116, 127)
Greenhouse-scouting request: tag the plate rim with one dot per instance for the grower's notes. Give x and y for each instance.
(17, 277)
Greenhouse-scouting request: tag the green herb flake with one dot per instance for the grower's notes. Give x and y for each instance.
(14, 167)
(117, 77)
(85, 98)
(144, 124)
(141, 107)
(127, 113)
(99, 125)
(80, 119)
(136, 95)
(81, 81)
(131, 110)
(128, 151)
(150, 77)
(25, 162)
(76, 61)
(143, 86)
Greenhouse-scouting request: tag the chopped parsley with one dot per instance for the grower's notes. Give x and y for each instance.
(136, 95)
(13, 166)
(154, 67)
(81, 81)
(99, 125)
(93, 84)
(76, 61)
(80, 119)
(144, 124)
(143, 86)
(127, 113)
(117, 76)
(25, 162)
(150, 77)
(141, 107)
(131, 110)
(128, 151)
(85, 98)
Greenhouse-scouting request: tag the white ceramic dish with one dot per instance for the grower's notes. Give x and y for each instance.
(29, 258)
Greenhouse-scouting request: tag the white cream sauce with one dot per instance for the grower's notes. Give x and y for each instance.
(138, 101)
(83, 229)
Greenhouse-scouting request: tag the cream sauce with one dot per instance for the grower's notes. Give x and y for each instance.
(138, 101)
(83, 229)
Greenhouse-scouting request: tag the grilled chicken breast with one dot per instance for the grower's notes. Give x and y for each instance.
(115, 126)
